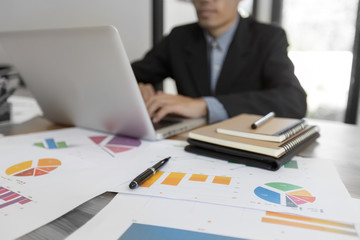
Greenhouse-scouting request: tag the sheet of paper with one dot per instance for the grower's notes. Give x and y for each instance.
(310, 187)
(130, 212)
(45, 175)
(37, 187)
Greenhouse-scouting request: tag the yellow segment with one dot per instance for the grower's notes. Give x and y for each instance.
(222, 180)
(19, 167)
(198, 177)
(152, 179)
(49, 162)
(300, 192)
(173, 179)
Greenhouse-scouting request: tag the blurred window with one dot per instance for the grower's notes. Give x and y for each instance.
(321, 35)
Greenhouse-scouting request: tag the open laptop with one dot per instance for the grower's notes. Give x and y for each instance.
(82, 77)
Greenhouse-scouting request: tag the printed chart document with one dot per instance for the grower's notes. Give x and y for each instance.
(37, 187)
(47, 174)
(309, 187)
(191, 219)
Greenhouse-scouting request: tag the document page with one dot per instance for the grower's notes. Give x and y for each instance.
(305, 186)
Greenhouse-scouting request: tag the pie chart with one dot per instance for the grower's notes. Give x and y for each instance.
(284, 193)
(33, 168)
(116, 144)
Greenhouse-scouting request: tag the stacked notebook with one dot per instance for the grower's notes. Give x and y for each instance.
(269, 146)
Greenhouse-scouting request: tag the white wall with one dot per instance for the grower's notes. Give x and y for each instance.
(131, 17)
(177, 12)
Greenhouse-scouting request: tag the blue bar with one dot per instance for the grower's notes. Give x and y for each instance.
(51, 143)
(142, 231)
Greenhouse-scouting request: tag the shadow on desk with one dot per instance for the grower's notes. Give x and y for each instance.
(65, 225)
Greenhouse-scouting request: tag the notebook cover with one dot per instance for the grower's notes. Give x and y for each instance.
(276, 129)
(244, 157)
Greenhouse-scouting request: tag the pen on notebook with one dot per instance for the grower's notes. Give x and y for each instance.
(262, 120)
(147, 173)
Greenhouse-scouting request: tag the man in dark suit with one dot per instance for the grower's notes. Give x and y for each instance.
(223, 65)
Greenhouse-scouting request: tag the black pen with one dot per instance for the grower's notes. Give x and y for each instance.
(147, 173)
(262, 120)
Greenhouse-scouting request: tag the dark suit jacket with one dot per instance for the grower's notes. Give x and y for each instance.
(257, 75)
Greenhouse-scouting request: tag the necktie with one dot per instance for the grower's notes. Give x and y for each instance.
(215, 64)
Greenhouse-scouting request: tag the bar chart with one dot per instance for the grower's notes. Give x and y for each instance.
(50, 143)
(175, 178)
(309, 223)
(8, 198)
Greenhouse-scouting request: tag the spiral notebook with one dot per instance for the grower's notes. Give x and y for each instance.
(209, 134)
(245, 157)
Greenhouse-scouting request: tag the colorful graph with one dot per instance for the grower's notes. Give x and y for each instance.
(174, 179)
(26, 168)
(8, 198)
(116, 144)
(50, 143)
(291, 164)
(309, 223)
(284, 193)
(142, 231)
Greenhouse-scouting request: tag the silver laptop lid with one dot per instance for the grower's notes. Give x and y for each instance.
(81, 76)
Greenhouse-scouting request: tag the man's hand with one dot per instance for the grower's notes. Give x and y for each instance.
(163, 104)
(160, 104)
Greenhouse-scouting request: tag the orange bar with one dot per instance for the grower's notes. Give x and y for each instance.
(308, 219)
(173, 179)
(222, 180)
(198, 177)
(152, 179)
(307, 226)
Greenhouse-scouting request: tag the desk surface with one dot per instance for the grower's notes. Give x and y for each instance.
(338, 143)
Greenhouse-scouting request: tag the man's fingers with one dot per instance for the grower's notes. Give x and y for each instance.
(154, 104)
(161, 105)
(161, 113)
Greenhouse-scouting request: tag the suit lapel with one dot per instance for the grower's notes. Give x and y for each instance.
(198, 63)
(235, 57)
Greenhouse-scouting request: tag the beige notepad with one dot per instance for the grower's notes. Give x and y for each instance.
(276, 129)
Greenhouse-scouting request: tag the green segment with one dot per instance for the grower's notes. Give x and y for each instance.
(291, 164)
(39, 144)
(283, 186)
(61, 144)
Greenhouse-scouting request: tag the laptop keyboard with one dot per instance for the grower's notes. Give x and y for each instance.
(165, 123)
